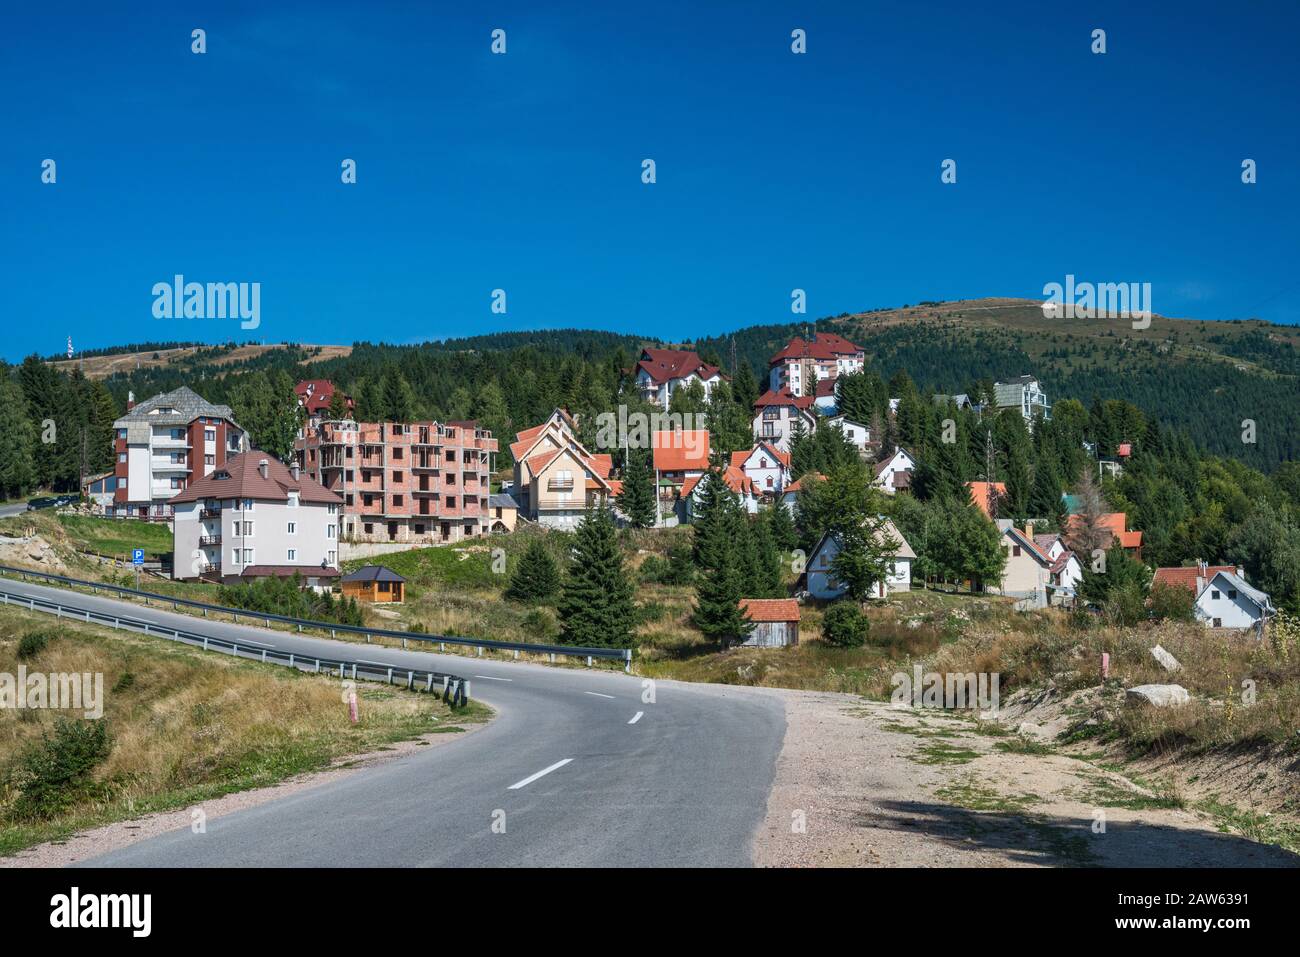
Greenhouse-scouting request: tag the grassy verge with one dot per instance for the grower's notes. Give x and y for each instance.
(182, 726)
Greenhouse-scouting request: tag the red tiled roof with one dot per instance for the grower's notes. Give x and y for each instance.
(826, 387)
(783, 397)
(735, 479)
(664, 364)
(811, 476)
(824, 345)
(1187, 576)
(316, 394)
(681, 450)
(240, 477)
(770, 609)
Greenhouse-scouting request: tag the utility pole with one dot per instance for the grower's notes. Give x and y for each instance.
(991, 492)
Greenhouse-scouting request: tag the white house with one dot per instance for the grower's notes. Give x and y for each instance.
(855, 432)
(792, 491)
(1227, 601)
(1023, 394)
(823, 358)
(736, 480)
(821, 580)
(1066, 570)
(775, 414)
(661, 372)
(766, 466)
(889, 472)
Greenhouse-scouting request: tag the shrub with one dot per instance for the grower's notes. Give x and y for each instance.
(33, 643)
(677, 569)
(539, 624)
(844, 625)
(1172, 602)
(53, 773)
(1125, 605)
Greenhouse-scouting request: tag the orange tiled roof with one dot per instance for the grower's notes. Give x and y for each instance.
(1187, 576)
(664, 364)
(979, 491)
(681, 451)
(770, 609)
(783, 396)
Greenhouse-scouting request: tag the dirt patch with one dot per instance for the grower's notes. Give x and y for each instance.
(862, 784)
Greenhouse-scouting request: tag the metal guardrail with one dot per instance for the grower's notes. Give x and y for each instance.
(621, 654)
(455, 689)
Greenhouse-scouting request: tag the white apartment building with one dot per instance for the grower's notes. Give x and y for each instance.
(165, 444)
(255, 517)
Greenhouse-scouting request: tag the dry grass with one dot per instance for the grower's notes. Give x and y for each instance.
(188, 725)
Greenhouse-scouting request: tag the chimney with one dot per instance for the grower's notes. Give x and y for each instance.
(1029, 530)
(264, 467)
(1202, 572)
(296, 471)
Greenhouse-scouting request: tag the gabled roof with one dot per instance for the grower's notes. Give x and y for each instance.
(783, 396)
(240, 477)
(681, 450)
(887, 530)
(372, 573)
(738, 459)
(1115, 522)
(664, 364)
(1027, 543)
(1186, 577)
(316, 395)
(826, 387)
(1233, 580)
(502, 500)
(732, 477)
(770, 609)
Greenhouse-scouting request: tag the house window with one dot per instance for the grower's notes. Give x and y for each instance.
(234, 528)
(248, 529)
(121, 456)
(209, 460)
(397, 501)
(248, 505)
(397, 477)
(369, 527)
(248, 556)
(209, 435)
(331, 559)
(1232, 593)
(292, 554)
(176, 483)
(1218, 623)
(1015, 551)
(1214, 593)
(329, 531)
(292, 528)
(234, 557)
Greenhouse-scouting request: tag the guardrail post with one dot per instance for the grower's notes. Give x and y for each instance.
(552, 657)
(588, 661)
(367, 637)
(390, 676)
(290, 661)
(429, 686)
(627, 661)
(445, 681)
(263, 654)
(516, 654)
(480, 651)
(333, 633)
(205, 642)
(342, 670)
(410, 680)
(234, 649)
(354, 669)
(318, 666)
(205, 613)
(442, 646)
(403, 644)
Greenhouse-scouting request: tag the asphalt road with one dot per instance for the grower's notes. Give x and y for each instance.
(584, 771)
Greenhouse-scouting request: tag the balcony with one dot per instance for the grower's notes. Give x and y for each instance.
(209, 513)
(207, 540)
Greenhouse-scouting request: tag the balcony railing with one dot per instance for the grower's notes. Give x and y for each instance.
(205, 540)
(209, 513)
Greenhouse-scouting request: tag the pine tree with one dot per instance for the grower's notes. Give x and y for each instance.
(535, 578)
(781, 528)
(767, 581)
(596, 608)
(636, 500)
(720, 586)
(17, 442)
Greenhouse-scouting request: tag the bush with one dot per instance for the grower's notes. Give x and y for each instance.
(1125, 605)
(845, 626)
(676, 569)
(33, 643)
(539, 624)
(1172, 602)
(53, 773)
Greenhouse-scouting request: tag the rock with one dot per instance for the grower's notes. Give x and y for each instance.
(1158, 696)
(1166, 660)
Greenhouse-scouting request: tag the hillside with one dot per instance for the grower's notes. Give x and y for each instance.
(107, 363)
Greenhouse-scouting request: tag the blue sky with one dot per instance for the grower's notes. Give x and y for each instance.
(523, 172)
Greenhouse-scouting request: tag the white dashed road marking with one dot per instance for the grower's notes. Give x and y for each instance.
(533, 777)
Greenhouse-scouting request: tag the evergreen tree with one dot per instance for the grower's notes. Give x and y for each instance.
(535, 578)
(636, 499)
(17, 442)
(767, 580)
(781, 527)
(596, 608)
(338, 408)
(721, 555)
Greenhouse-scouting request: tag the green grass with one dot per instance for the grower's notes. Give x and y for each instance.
(1263, 828)
(117, 537)
(942, 753)
(1020, 744)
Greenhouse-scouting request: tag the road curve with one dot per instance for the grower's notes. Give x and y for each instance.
(684, 784)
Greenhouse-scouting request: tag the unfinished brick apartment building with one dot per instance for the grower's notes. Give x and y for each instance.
(419, 482)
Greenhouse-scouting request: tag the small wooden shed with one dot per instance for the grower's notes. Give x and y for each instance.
(374, 583)
(775, 622)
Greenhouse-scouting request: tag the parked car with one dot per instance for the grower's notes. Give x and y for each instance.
(51, 501)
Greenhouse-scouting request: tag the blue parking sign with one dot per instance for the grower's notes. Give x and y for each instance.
(137, 556)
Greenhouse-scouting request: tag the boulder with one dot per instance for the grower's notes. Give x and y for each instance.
(1157, 696)
(1166, 660)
